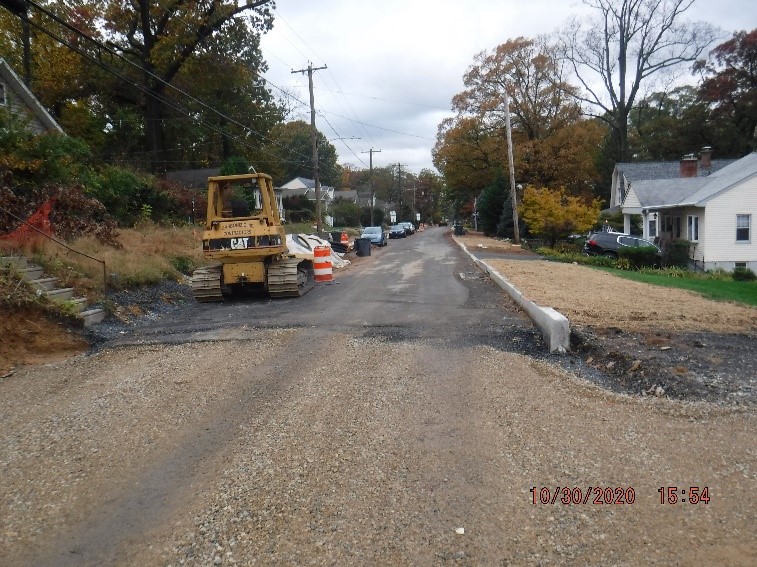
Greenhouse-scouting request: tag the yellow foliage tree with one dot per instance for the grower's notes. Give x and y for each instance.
(554, 214)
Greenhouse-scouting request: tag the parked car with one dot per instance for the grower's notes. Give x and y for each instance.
(397, 231)
(409, 227)
(376, 235)
(608, 243)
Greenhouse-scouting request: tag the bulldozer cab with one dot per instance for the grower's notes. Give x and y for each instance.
(242, 196)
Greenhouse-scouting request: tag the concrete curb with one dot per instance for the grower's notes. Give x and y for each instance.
(554, 326)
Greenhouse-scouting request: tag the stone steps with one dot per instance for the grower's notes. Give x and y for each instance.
(34, 276)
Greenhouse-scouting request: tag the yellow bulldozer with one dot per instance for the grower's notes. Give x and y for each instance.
(245, 240)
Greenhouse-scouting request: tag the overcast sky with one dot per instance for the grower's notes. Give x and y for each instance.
(394, 65)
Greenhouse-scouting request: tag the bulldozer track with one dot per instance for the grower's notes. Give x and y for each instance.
(206, 284)
(290, 277)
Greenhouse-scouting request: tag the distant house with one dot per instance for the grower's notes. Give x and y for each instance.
(716, 213)
(306, 187)
(16, 97)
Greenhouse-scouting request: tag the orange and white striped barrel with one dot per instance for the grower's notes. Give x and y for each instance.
(322, 264)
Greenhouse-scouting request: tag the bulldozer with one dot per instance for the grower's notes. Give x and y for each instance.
(245, 240)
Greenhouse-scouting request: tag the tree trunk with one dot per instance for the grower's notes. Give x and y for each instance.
(154, 128)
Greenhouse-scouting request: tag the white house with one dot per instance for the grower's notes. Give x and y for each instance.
(627, 174)
(16, 97)
(303, 186)
(715, 213)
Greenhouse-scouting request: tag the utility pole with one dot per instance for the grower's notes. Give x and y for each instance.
(314, 142)
(399, 190)
(370, 179)
(513, 188)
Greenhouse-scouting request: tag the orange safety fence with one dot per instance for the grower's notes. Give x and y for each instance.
(26, 232)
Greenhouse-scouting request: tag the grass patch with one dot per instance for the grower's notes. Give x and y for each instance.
(145, 255)
(718, 285)
(711, 287)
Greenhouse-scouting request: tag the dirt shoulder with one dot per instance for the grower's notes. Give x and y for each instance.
(590, 297)
(29, 336)
(639, 338)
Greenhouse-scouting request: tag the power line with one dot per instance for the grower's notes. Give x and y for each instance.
(100, 47)
(314, 140)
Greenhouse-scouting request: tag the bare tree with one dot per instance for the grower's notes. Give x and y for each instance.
(615, 53)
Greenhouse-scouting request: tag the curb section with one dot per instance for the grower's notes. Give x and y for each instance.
(554, 326)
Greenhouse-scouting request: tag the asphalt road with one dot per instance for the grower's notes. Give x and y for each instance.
(393, 417)
(416, 287)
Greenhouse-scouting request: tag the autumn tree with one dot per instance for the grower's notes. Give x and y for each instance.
(553, 144)
(554, 214)
(428, 195)
(625, 46)
(162, 38)
(530, 72)
(730, 87)
(468, 156)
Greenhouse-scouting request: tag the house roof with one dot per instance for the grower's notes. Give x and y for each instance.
(643, 170)
(694, 191)
(738, 172)
(12, 80)
(304, 186)
(299, 183)
(293, 191)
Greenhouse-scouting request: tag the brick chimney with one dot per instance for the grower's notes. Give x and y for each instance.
(706, 157)
(689, 165)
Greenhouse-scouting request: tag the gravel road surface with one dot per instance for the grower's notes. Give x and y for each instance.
(404, 415)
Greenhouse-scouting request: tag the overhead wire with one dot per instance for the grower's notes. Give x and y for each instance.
(329, 73)
(161, 98)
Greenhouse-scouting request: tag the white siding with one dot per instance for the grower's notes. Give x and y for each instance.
(719, 230)
(632, 200)
(17, 107)
(699, 246)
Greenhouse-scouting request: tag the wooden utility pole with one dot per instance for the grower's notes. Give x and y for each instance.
(314, 142)
(399, 189)
(513, 195)
(370, 179)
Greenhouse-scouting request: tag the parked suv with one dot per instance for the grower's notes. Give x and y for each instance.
(608, 243)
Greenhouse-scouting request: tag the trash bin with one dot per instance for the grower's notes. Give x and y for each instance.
(459, 231)
(363, 246)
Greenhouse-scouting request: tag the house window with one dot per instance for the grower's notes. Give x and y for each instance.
(739, 265)
(652, 226)
(743, 223)
(677, 227)
(693, 226)
(3, 102)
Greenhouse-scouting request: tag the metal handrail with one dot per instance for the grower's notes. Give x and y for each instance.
(105, 273)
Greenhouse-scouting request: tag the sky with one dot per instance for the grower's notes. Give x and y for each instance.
(393, 66)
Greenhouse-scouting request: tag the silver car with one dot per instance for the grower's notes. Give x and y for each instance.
(376, 235)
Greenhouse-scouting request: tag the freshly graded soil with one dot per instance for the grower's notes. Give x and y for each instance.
(638, 338)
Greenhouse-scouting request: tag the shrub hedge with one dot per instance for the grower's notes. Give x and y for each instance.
(641, 257)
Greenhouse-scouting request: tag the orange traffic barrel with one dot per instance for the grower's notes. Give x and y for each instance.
(322, 264)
